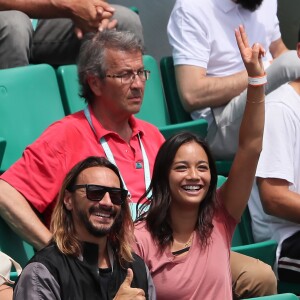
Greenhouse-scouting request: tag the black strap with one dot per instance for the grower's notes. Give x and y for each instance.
(178, 252)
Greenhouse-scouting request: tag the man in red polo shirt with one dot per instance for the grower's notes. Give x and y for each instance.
(112, 76)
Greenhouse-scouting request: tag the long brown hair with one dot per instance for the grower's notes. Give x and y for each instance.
(156, 210)
(62, 224)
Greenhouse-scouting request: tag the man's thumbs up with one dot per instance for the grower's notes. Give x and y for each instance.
(126, 292)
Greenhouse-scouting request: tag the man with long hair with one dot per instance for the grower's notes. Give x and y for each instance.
(90, 255)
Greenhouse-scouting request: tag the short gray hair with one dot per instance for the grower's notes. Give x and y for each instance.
(91, 58)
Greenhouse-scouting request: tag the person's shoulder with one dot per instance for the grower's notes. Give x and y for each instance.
(141, 231)
(46, 253)
(67, 125)
(73, 119)
(140, 226)
(285, 96)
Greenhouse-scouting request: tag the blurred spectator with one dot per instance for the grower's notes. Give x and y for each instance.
(211, 77)
(56, 38)
(278, 179)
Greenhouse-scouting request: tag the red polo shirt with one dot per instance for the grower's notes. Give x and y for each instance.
(39, 174)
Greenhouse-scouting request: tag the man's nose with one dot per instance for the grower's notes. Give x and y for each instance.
(106, 200)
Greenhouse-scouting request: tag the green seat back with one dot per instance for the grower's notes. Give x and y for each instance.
(12, 245)
(243, 241)
(177, 112)
(221, 180)
(286, 296)
(29, 102)
(154, 109)
(69, 88)
(243, 234)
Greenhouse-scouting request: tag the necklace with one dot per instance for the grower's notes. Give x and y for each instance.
(188, 243)
(186, 247)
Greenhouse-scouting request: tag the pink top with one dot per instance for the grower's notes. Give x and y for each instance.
(39, 174)
(200, 274)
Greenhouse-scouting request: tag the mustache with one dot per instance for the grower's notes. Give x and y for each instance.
(99, 209)
(136, 93)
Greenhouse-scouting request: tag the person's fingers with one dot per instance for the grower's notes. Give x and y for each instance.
(239, 40)
(103, 24)
(105, 6)
(106, 15)
(129, 277)
(107, 24)
(244, 36)
(99, 11)
(112, 24)
(78, 33)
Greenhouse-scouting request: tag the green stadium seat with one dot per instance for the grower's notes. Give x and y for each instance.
(154, 108)
(69, 89)
(135, 9)
(265, 251)
(243, 241)
(12, 245)
(176, 110)
(286, 296)
(29, 102)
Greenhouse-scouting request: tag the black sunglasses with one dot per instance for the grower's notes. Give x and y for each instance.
(96, 192)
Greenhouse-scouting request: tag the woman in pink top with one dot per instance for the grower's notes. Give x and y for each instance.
(185, 228)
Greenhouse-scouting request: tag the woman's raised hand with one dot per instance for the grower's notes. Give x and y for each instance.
(251, 56)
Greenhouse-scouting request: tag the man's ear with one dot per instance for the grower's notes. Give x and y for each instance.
(95, 84)
(68, 200)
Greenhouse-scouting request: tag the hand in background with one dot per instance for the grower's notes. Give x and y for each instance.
(91, 15)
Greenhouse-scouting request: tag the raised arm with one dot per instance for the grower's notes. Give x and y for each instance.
(236, 190)
(19, 215)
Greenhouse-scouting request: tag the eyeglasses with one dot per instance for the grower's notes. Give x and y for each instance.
(96, 192)
(129, 77)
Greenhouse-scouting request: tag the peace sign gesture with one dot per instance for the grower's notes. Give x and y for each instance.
(251, 56)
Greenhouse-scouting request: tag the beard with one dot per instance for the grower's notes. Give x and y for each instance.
(97, 231)
(251, 5)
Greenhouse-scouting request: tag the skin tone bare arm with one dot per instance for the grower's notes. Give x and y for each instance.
(17, 212)
(236, 190)
(198, 91)
(278, 200)
(277, 48)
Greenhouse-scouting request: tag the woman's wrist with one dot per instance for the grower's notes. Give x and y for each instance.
(257, 80)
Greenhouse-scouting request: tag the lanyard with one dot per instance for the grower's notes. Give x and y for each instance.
(111, 158)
